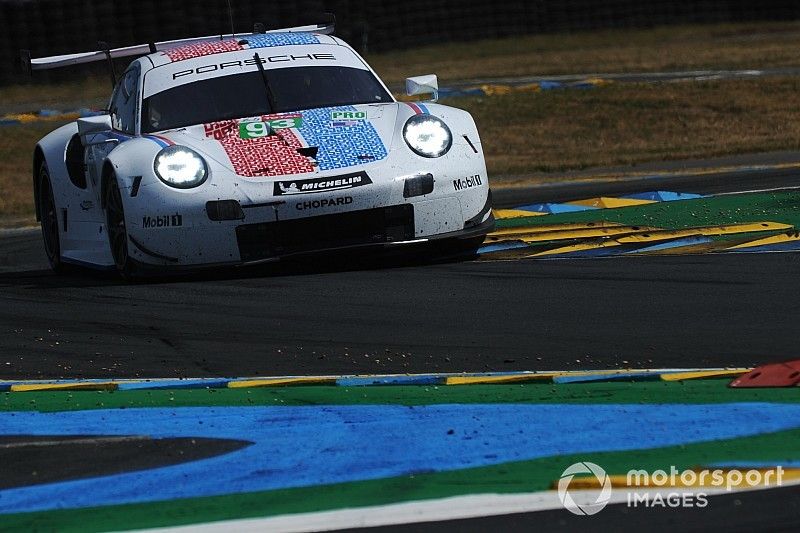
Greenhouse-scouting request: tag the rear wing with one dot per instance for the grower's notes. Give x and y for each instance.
(30, 64)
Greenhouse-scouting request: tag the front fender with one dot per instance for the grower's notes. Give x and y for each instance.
(129, 160)
(460, 122)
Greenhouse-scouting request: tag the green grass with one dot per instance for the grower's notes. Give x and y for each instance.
(783, 207)
(626, 124)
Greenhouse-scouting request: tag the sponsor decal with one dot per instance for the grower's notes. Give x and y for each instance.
(467, 183)
(334, 183)
(344, 119)
(255, 129)
(325, 202)
(348, 115)
(162, 221)
(214, 67)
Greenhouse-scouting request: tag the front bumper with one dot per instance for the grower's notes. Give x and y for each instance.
(384, 228)
(257, 227)
(259, 255)
(388, 227)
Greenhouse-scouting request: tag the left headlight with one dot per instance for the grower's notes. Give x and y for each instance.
(180, 167)
(427, 136)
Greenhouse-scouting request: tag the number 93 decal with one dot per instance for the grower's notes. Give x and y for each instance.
(262, 128)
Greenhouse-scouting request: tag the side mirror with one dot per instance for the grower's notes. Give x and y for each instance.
(90, 125)
(423, 85)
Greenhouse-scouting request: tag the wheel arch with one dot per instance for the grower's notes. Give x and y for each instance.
(51, 150)
(38, 159)
(107, 174)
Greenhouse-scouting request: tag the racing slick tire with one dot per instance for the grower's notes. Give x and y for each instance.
(48, 215)
(117, 230)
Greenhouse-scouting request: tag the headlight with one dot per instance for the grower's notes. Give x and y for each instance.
(427, 136)
(180, 167)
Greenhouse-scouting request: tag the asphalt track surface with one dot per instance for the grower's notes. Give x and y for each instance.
(366, 315)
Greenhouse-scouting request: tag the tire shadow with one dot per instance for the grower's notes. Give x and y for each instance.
(312, 264)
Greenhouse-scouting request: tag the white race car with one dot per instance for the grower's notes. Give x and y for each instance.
(246, 149)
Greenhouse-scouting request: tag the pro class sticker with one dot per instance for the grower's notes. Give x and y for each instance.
(255, 129)
(333, 183)
(348, 115)
(341, 119)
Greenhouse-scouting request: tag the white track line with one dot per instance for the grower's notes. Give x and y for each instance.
(774, 189)
(452, 508)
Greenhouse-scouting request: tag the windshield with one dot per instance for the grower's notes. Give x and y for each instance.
(245, 95)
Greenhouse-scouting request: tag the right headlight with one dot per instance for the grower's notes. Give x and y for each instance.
(180, 167)
(427, 136)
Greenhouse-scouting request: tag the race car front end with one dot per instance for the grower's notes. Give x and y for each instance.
(320, 179)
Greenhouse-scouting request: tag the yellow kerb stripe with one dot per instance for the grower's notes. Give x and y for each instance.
(576, 248)
(775, 239)
(554, 227)
(281, 382)
(704, 374)
(605, 202)
(63, 386)
(477, 380)
(702, 478)
(501, 214)
(660, 235)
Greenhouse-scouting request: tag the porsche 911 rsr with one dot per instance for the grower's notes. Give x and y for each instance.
(253, 148)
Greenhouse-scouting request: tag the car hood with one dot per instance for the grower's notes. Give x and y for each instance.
(287, 144)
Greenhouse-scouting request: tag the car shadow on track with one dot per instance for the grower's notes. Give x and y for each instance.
(323, 263)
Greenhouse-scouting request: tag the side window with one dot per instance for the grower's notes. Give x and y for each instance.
(124, 102)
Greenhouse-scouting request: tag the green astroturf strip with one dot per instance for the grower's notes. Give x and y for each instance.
(524, 476)
(694, 391)
(712, 211)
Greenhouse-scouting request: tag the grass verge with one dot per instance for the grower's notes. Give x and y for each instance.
(16, 154)
(726, 46)
(624, 124)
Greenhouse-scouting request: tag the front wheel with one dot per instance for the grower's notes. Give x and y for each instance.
(48, 214)
(117, 231)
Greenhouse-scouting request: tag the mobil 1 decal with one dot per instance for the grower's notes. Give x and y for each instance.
(255, 129)
(333, 183)
(468, 182)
